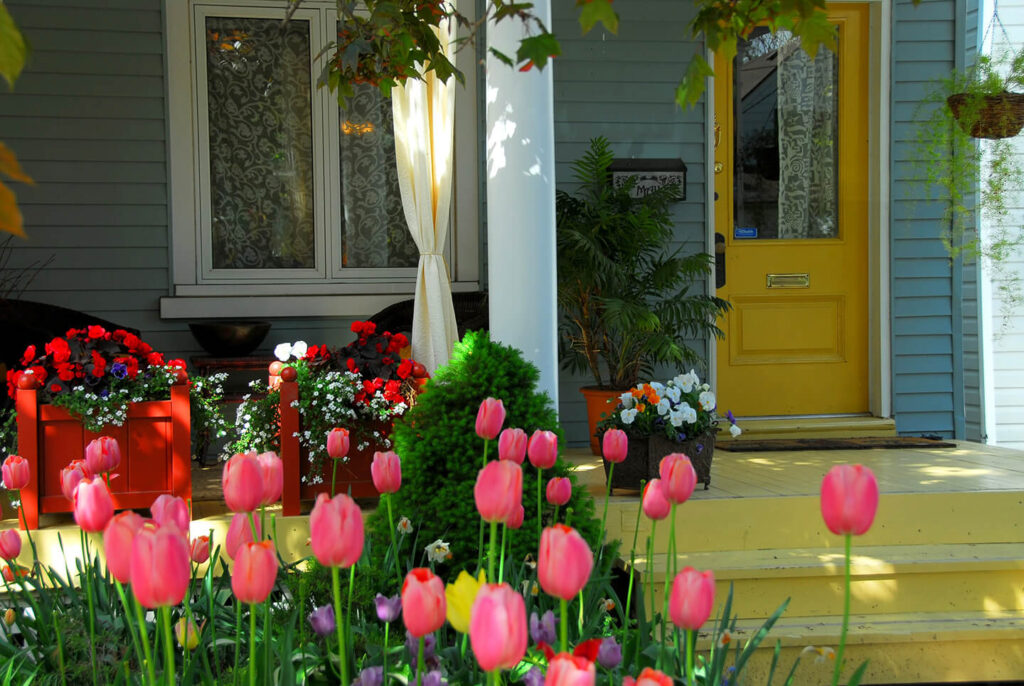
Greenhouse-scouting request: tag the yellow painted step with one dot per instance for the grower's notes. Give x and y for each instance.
(813, 427)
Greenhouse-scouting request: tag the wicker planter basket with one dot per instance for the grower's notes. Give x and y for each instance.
(644, 457)
(997, 116)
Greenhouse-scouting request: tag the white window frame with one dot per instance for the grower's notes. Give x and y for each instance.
(198, 290)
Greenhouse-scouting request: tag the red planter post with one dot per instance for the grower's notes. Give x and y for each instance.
(291, 451)
(156, 455)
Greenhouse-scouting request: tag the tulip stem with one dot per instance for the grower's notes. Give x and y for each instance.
(165, 616)
(28, 534)
(348, 608)
(846, 616)
(691, 644)
(563, 627)
(650, 584)
(501, 564)
(144, 636)
(252, 525)
(334, 475)
(384, 669)
(670, 569)
(60, 652)
(540, 523)
(626, 619)
(394, 544)
(419, 663)
(87, 582)
(238, 641)
(127, 616)
(555, 517)
(493, 552)
(604, 516)
(339, 622)
(252, 645)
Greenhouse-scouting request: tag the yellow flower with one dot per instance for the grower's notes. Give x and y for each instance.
(192, 639)
(9, 617)
(460, 596)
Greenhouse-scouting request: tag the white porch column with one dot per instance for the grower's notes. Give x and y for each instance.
(521, 204)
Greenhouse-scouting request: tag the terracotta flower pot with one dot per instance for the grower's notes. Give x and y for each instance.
(600, 402)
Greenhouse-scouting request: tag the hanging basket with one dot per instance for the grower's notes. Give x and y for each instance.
(988, 116)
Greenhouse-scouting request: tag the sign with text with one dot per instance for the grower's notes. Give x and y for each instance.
(650, 175)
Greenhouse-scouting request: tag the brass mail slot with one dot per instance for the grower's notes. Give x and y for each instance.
(789, 281)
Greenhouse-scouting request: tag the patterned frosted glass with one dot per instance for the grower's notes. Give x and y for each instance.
(374, 232)
(261, 147)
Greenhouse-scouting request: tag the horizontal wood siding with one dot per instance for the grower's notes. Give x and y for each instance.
(622, 87)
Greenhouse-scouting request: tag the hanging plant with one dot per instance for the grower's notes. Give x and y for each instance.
(985, 101)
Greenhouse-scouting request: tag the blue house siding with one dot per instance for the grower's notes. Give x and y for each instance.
(622, 87)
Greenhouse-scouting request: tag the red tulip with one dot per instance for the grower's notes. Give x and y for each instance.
(15, 471)
(337, 443)
(512, 445)
(10, 544)
(168, 509)
(118, 537)
(656, 505)
(615, 445)
(242, 483)
(199, 550)
(423, 602)
(559, 490)
(240, 532)
(489, 418)
(103, 455)
(272, 471)
(649, 677)
(386, 471)
(70, 476)
(693, 595)
(92, 504)
(564, 562)
(678, 477)
(255, 572)
(498, 490)
(336, 530)
(849, 499)
(515, 520)
(497, 627)
(160, 566)
(569, 670)
(543, 449)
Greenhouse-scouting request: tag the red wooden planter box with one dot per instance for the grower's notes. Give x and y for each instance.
(353, 476)
(155, 442)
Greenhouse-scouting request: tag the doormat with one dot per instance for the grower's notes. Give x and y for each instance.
(864, 443)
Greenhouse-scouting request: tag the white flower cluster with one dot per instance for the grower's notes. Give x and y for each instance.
(683, 403)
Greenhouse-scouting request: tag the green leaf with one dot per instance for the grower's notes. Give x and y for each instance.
(502, 57)
(858, 675)
(13, 49)
(693, 83)
(599, 11)
(538, 49)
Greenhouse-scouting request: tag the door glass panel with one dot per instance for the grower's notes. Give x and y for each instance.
(786, 128)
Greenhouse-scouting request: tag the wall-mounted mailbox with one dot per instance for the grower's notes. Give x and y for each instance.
(650, 174)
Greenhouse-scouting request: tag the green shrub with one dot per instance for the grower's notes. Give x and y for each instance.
(441, 453)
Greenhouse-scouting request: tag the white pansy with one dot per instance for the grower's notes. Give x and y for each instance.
(628, 416)
(664, 406)
(707, 400)
(283, 351)
(299, 348)
(735, 430)
(687, 381)
(676, 418)
(659, 388)
(626, 399)
(673, 393)
(705, 387)
(689, 414)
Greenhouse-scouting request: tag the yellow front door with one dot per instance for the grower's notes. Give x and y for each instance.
(791, 170)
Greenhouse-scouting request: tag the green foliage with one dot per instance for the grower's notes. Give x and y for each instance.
(441, 453)
(624, 296)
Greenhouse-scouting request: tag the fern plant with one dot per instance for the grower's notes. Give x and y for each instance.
(628, 301)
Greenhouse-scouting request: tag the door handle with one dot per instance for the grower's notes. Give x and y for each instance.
(719, 260)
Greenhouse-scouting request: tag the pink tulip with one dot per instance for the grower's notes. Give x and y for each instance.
(255, 572)
(564, 562)
(423, 602)
(103, 455)
(336, 530)
(497, 627)
(239, 533)
(849, 499)
(160, 566)
(92, 504)
(489, 418)
(199, 550)
(15, 471)
(615, 445)
(678, 477)
(242, 483)
(168, 509)
(649, 677)
(498, 490)
(559, 490)
(118, 537)
(512, 445)
(272, 471)
(337, 443)
(543, 449)
(693, 595)
(70, 476)
(515, 520)
(10, 544)
(656, 505)
(386, 471)
(569, 670)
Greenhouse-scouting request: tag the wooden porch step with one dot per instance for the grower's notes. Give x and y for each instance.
(813, 427)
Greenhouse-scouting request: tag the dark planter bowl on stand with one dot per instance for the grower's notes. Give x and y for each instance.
(699, 449)
(229, 339)
(635, 468)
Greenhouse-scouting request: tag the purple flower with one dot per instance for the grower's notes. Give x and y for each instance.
(729, 415)
(610, 654)
(534, 677)
(371, 676)
(322, 620)
(434, 678)
(388, 609)
(119, 370)
(700, 447)
(543, 629)
(429, 650)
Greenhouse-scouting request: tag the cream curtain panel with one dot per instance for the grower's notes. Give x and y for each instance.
(424, 114)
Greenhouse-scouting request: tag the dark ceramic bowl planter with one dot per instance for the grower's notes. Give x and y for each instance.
(644, 459)
(229, 338)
